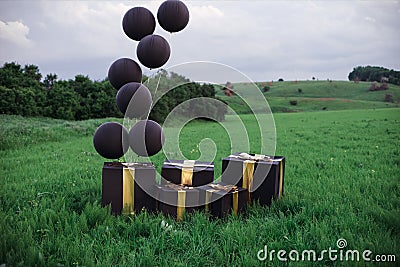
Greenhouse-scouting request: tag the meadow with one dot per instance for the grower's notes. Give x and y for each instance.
(341, 181)
(313, 96)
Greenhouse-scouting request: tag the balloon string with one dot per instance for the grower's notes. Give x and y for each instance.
(158, 83)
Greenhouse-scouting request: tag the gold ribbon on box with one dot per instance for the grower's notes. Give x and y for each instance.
(248, 170)
(248, 175)
(235, 199)
(208, 198)
(268, 158)
(181, 203)
(187, 170)
(128, 188)
(280, 179)
(226, 188)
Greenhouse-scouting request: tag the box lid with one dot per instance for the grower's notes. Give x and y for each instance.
(197, 165)
(120, 165)
(266, 159)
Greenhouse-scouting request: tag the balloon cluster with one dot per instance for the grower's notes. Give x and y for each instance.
(112, 140)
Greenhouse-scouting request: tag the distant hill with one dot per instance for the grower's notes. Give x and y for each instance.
(314, 96)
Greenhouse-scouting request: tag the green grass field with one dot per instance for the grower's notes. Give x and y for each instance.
(342, 181)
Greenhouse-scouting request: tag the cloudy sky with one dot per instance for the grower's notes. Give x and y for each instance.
(265, 40)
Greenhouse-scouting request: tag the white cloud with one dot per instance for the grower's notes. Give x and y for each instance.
(261, 38)
(367, 18)
(88, 29)
(206, 12)
(15, 32)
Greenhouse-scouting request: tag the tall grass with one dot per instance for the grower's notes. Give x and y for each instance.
(342, 181)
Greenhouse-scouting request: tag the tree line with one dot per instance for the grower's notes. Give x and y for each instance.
(171, 90)
(374, 74)
(24, 91)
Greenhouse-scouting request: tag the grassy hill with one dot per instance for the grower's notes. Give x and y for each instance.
(314, 96)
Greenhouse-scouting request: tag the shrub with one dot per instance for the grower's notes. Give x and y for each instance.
(373, 87)
(383, 86)
(389, 98)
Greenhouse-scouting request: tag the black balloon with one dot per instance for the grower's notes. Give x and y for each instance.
(146, 138)
(124, 70)
(111, 140)
(173, 15)
(153, 51)
(138, 22)
(134, 100)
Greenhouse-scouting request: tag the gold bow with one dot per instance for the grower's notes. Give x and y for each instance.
(188, 162)
(256, 157)
(226, 188)
(178, 187)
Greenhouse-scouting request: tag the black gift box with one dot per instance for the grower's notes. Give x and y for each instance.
(219, 199)
(266, 175)
(120, 180)
(175, 200)
(187, 172)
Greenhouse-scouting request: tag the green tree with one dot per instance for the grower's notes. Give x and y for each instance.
(182, 90)
(7, 101)
(32, 75)
(62, 102)
(22, 92)
(49, 80)
(374, 73)
(18, 101)
(11, 75)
